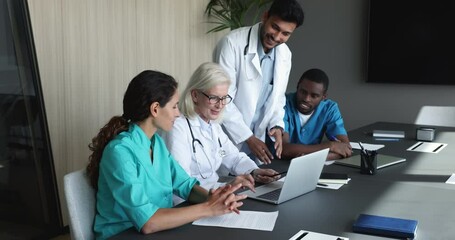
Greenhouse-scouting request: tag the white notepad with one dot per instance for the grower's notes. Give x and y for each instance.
(428, 147)
(451, 179)
(366, 146)
(308, 235)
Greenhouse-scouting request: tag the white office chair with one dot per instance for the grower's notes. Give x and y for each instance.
(436, 116)
(81, 201)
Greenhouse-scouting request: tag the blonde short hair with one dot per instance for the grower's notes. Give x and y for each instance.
(206, 76)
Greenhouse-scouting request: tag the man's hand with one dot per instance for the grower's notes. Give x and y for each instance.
(341, 148)
(265, 175)
(259, 149)
(277, 133)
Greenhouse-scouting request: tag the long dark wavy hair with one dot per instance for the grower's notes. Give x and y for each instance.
(146, 88)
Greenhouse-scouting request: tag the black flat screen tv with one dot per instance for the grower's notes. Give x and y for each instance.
(411, 42)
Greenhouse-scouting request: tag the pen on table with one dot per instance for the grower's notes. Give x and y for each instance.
(365, 160)
(301, 236)
(322, 185)
(436, 149)
(416, 146)
(361, 147)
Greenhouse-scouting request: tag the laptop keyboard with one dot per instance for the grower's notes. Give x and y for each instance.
(273, 195)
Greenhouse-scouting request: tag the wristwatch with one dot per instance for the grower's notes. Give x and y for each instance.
(254, 175)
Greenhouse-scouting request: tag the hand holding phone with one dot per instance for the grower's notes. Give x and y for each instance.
(279, 174)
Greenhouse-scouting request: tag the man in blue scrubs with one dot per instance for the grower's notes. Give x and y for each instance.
(309, 115)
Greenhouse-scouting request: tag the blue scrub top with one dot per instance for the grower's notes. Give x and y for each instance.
(131, 188)
(326, 119)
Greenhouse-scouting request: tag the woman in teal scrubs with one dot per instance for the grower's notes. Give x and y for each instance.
(133, 172)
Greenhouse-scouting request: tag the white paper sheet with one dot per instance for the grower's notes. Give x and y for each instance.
(264, 221)
(451, 179)
(367, 146)
(428, 147)
(315, 236)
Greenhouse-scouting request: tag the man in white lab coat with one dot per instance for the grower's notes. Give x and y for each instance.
(258, 63)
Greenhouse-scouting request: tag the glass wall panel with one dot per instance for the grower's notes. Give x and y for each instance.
(29, 206)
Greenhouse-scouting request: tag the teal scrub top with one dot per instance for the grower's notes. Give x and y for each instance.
(132, 187)
(326, 119)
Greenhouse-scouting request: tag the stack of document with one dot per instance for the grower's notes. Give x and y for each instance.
(388, 134)
(333, 180)
(340, 178)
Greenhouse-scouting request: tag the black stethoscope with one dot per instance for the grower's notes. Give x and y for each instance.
(196, 142)
(245, 51)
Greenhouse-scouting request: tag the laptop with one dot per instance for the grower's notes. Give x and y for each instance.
(302, 177)
(383, 161)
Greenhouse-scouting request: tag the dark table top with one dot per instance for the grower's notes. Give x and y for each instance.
(414, 189)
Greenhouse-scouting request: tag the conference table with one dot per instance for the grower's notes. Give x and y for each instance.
(414, 189)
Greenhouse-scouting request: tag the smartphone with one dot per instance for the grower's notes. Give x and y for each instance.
(280, 173)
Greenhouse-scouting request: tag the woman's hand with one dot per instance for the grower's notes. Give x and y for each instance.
(246, 180)
(223, 200)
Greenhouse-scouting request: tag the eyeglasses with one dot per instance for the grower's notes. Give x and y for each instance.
(215, 99)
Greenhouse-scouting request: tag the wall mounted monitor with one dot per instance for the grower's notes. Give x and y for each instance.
(411, 42)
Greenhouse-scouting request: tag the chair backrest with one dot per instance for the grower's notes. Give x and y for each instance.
(81, 202)
(436, 116)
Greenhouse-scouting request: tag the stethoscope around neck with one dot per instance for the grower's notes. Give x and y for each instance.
(196, 142)
(245, 50)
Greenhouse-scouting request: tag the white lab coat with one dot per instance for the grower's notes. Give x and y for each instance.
(179, 143)
(246, 75)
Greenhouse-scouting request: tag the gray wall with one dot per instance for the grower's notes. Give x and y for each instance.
(333, 38)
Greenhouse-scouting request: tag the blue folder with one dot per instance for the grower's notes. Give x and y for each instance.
(385, 226)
